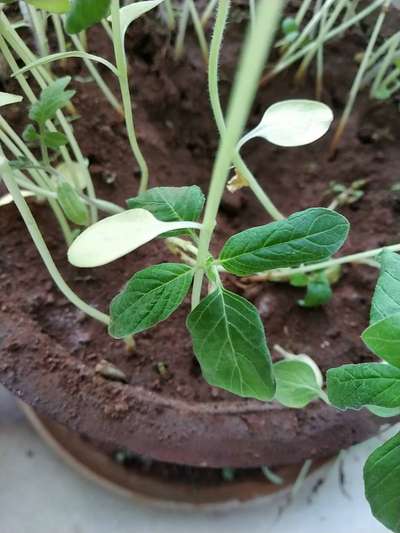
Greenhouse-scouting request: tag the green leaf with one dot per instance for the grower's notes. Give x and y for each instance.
(289, 25)
(85, 13)
(118, 235)
(299, 280)
(73, 206)
(305, 237)
(386, 299)
(135, 10)
(382, 483)
(150, 296)
(383, 338)
(296, 384)
(356, 386)
(229, 343)
(30, 134)
(171, 203)
(53, 6)
(52, 98)
(319, 292)
(384, 412)
(54, 139)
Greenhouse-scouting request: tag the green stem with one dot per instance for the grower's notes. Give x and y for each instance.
(98, 78)
(43, 79)
(107, 28)
(256, 49)
(208, 11)
(40, 244)
(199, 30)
(170, 15)
(213, 66)
(180, 38)
(62, 45)
(122, 67)
(39, 32)
(359, 77)
(386, 62)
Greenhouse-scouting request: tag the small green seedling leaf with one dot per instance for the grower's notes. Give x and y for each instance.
(292, 123)
(319, 292)
(356, 386)
(229, 343)
(85, 13)
(30, 134)
(8, 99)
(54, 139)
(73, 206)
(383, 338)
(386, 299)
(150, 296)
(296, 383)
(52, 98)
(299, 280)
(133, 11)
(53, 6)
(73, 173)
(311, 235)
(382, 483)
(118, 235)
(289, 25)
(171, 203)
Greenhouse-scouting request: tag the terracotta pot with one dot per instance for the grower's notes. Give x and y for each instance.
(100, 468)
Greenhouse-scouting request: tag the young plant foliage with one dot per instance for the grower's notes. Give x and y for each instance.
(52, 98)
(292, 123)
(383, 338)
(118, 235)
(7, 99)
(230, 345)
(356, 386)
(296, 383)
(133, 11)
(53, 6)
(311, 235)
(386, 299)
(319, 292)
(171, 203)
(73, 206)
(382, 483)
(150, 296)
(85, 13)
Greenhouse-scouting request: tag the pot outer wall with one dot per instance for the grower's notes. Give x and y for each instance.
(225, 433)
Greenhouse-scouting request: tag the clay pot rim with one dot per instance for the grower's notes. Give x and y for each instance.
(101, 470)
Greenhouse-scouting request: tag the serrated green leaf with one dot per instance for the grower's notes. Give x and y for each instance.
(386, 299)
(356, 386)
(308, 236)
(171, 203)
(382, 483)
(30, 134)
(230, 345)
(54, 139)
(150, 296)
(52, 98)
(53, 6)
(319, 292)
(73, 206)
(383, 338)
(296, 384)
(85, 13)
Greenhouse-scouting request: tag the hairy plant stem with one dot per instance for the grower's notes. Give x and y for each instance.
(122, 67)
(98, 78)
(40, 244)
(256, 49)
(359, 77)
(213, 65)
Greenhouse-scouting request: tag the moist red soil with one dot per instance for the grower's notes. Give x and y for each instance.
(49, 349)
